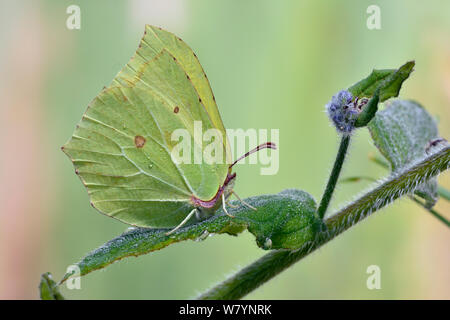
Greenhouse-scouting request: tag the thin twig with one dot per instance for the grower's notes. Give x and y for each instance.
(432, 211)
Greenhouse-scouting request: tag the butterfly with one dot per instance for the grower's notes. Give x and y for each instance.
(122, 147)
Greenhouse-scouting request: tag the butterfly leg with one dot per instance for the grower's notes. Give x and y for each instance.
(182, 222)
(231, 205)
(243, 202)
(224, 207)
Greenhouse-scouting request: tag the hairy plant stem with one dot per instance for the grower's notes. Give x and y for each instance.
(442, 192)
(271, 264)
(332, 181)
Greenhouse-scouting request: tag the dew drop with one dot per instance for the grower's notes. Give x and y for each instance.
(203, 236)
(268, 243)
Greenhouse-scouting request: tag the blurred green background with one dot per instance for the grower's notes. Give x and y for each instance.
(271, 64)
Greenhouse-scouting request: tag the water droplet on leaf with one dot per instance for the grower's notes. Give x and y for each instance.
(268, 243)
(203, 236)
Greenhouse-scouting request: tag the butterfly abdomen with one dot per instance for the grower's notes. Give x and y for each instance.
(214, 203)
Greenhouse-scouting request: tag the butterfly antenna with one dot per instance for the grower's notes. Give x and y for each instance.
(266, 145)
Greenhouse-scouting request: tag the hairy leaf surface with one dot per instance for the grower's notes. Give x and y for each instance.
(402, 132)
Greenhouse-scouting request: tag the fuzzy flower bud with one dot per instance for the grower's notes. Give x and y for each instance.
(343, 112)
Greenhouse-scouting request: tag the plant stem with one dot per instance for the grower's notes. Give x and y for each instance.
(444, 193)
(332, 181)
(271, 264)
(432, 211)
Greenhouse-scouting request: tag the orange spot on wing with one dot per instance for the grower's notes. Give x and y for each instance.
(139, 141)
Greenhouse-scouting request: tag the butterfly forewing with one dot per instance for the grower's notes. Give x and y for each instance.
(152, 43)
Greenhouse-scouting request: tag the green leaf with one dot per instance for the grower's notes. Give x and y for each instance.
(368, 111)
(282, 221)
(48, 288)
(389, 81)
(402, 133)
(287, 220)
